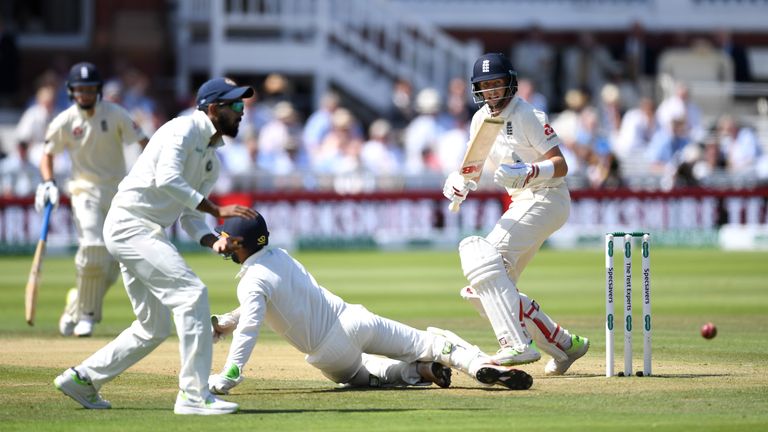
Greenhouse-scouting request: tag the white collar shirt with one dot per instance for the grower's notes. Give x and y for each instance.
(173, 174)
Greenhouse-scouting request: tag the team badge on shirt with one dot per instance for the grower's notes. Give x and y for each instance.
(77, 132)
(209, 166)
(509, 128)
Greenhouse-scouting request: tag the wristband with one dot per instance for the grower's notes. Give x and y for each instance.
(546, 169)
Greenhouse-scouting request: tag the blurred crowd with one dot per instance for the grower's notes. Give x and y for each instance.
(605, 106)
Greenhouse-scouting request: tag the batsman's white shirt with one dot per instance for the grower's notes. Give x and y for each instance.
(95, 147)
(176, 170)
(94, 143)
(540, 208)
(276, 289)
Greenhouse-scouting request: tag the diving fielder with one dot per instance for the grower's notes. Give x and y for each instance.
(531, 169)
(92, 132)
(344, 341)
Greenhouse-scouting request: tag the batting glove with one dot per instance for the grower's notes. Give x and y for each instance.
(515, 176)
(46, 192)
(456, 187)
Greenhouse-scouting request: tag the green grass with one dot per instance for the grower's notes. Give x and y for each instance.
(699, 384)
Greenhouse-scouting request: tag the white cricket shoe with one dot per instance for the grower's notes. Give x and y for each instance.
(66, 324)
(80, 388)
(84, 327)
(579, 347)
(210, 406)
(513, 379)
(509, 356)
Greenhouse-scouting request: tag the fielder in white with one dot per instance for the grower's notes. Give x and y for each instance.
(92, 132)
(170, 180)
(349, 344)
(531, 169)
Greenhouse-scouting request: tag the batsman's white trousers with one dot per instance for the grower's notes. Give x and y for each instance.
(531, 218)
(359, 331)
(158, 282)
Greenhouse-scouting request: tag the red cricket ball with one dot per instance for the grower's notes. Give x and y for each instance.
(708, 330)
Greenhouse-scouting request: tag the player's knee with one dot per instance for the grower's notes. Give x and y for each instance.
(480, 260)
(94, 261)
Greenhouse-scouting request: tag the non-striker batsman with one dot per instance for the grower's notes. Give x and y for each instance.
(531, 168)
(93, 132)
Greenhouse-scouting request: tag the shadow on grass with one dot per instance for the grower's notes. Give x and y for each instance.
(704, 375)
(351, 410)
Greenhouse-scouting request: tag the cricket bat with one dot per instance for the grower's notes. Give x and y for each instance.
(30, 299)
(477, 151)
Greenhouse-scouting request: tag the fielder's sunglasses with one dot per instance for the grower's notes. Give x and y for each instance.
(236, 106)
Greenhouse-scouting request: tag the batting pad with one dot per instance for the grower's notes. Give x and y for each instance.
(96, 272)
(484, 268)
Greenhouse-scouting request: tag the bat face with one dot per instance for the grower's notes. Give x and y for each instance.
(477, 152)
(479, 147)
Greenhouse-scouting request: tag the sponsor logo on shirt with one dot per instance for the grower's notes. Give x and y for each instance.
(103, 125)
(209, 166)
(509, 128)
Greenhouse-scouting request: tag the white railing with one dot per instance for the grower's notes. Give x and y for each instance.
(360, 46)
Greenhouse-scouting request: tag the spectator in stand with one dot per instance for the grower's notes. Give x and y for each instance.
(339, 150)
(534, 59)
(277, 89)
(710, 161)
(741, 69)
(567, 125)
(451, 146)
(256, 116)
(319, 123)
(526, 90)
(401, 111)
(680, 105)
(639, 57)
(381, 155)
(278, 140)
(458, 108)
(421, 136)
(18, 175)
(739, 144)
(588, 65)
(666, 147)
(32, 125)
(610, 111)
(637, 128)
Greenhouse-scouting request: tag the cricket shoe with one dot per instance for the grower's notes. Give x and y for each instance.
(433, 372)
(66, 324)
(513, 379)
(221, 384)
(84, 327)
(509, 356)
(579, 347)
(210, 406)
(80, 388)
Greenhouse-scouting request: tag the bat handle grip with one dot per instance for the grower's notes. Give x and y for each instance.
(454, 206)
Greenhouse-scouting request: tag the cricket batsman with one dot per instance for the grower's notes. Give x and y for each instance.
(531, 168)
(349, 344)
(93, 132)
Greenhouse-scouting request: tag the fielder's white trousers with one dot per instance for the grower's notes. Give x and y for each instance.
(359, 331)
(159, 283)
